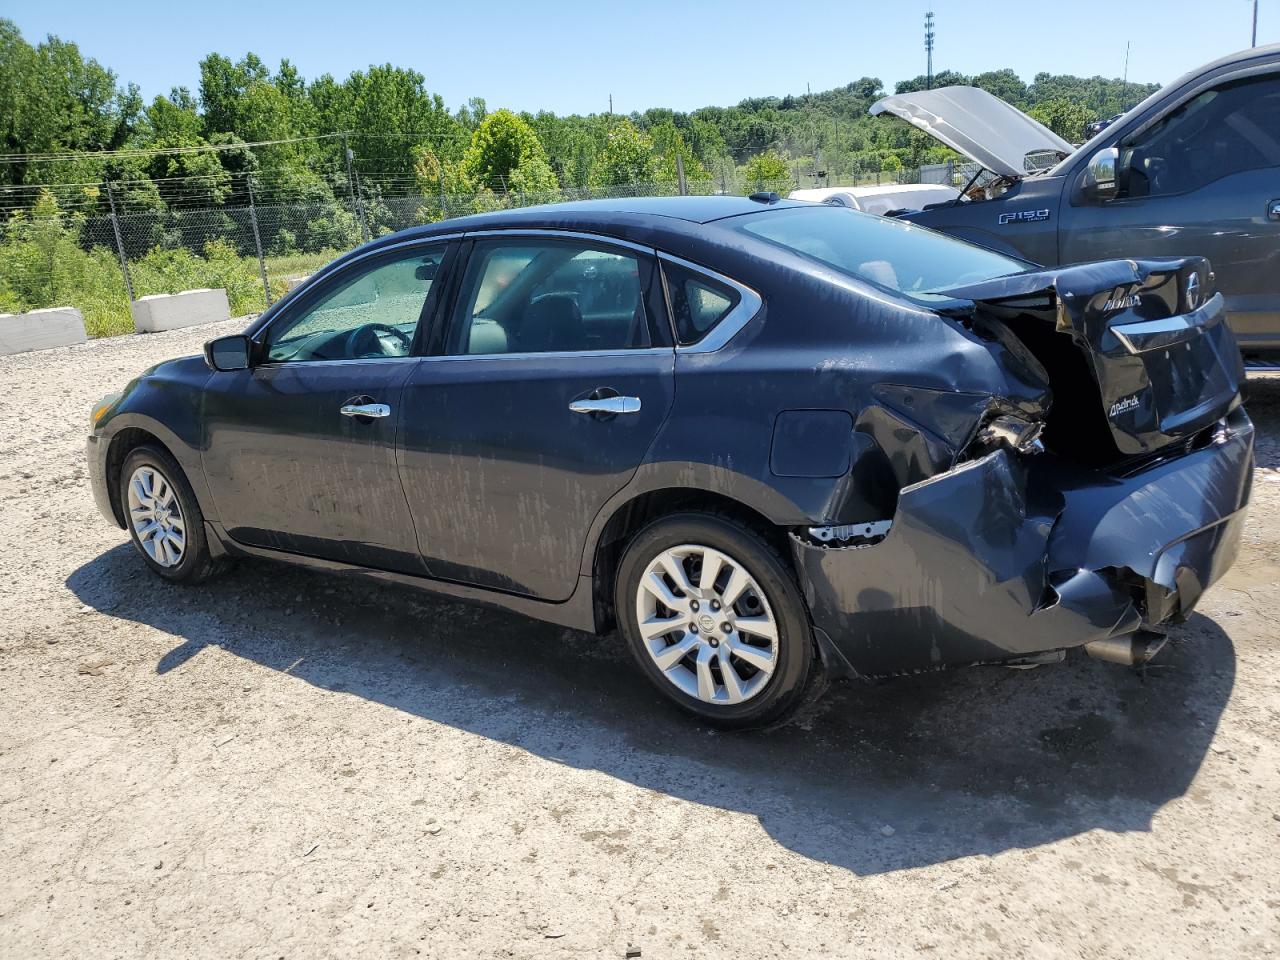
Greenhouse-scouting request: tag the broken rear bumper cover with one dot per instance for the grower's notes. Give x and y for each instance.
(1007, 557)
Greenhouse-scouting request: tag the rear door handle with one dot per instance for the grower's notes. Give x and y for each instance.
(365, 410)
(607, 405)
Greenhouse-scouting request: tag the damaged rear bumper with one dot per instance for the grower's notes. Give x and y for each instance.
(1008, 557)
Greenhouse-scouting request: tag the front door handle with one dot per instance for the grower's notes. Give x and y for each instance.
(371, 410)
(1273, 210)
(607, 406)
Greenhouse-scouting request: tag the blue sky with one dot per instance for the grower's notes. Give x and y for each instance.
(569, 56)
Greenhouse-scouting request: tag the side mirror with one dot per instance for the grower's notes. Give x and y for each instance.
(228, 353)
(1100, 183)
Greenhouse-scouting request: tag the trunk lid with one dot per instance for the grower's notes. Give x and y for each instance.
(1137, 351)
(994, 134)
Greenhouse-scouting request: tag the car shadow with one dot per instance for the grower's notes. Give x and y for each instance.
(1262, 400)
(956, 764)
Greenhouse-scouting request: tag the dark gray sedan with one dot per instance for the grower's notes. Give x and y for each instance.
(765, 439)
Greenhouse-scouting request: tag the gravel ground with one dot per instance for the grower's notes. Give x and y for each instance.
(282, 764)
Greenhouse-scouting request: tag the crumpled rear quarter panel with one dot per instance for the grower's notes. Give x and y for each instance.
(1006, 557)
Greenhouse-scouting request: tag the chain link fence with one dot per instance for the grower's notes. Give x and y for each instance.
(100, 262)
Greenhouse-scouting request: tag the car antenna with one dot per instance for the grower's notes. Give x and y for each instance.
(764, 196)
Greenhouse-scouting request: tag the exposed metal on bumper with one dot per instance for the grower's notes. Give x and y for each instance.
(1005, 557)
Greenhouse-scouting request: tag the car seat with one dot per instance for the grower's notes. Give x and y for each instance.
(552, 322)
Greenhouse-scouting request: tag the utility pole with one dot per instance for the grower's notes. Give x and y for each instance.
(115, 226)
(351, 180)
(1254, 43)
(353, 193)
(928, 49)
(611, 104)
(364, 222)
(257, 240)
(351, 189)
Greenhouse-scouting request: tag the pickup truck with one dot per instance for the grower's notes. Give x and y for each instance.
(1193, 170)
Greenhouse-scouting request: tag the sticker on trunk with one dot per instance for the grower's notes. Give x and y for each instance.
(1123, 405)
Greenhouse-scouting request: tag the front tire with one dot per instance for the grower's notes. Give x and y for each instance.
(715, 620)
(162, 516)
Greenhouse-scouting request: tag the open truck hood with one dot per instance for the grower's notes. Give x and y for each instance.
(978, 124)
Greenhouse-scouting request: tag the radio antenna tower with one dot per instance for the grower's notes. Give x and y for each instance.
(928, 49)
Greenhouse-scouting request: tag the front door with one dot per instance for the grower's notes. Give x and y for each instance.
(549, 384)
(301, 448)
(1202, 181)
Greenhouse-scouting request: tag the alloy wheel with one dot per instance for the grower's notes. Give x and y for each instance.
(707, 624)
(156, 516)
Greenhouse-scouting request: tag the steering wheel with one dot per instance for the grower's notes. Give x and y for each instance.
(372, 339)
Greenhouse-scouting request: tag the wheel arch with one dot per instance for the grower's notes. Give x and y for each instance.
(631, 516)
(130, 432)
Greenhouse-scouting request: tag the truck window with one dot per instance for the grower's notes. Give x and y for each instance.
(1222, 131)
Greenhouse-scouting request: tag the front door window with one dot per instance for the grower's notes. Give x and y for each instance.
(1222, 131)
(371, 313)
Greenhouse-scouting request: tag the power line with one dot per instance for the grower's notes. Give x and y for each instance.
(157, 151)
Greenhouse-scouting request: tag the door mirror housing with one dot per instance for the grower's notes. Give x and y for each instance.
(1100, 181)
(228, 353)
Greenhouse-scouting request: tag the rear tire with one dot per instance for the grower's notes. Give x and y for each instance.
(737, 649)
(162, 516)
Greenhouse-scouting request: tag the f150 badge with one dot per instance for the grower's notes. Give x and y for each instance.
(1024, 216)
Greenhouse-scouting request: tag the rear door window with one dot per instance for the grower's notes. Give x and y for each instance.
(539, 296)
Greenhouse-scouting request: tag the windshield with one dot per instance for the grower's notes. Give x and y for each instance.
(900, 256)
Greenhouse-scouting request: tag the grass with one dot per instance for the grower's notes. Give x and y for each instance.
(50, 270)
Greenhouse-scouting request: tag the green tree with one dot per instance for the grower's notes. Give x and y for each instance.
(669, 144)
(944, 78)
(53, 100)
(502, 145)
(1064, 118)
(1005, 84)
(627, 156)
(765, 170)
(193, 179)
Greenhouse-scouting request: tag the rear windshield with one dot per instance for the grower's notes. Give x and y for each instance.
(890, 253)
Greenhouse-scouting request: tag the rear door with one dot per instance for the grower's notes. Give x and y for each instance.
(1203, 180)
(547, 385)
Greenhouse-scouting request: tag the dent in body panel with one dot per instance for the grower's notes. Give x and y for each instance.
(1005, 557)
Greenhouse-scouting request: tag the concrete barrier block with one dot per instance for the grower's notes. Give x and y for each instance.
(292, 283)
(41, 329)
(169, 311)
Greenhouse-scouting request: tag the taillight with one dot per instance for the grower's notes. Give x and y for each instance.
(1013, 433)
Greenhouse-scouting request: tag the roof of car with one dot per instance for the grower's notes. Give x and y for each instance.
(621, 216)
